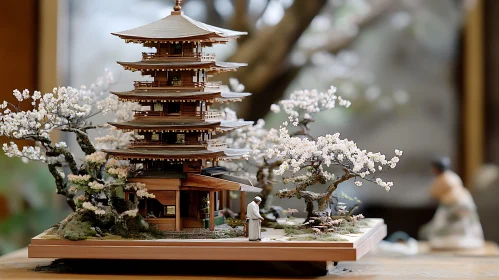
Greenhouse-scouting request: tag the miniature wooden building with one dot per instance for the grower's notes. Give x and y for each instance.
(175, 148)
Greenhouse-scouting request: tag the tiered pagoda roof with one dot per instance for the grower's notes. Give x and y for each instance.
(183, 154)
(209, 66)
(175, 27)
(169, 126)
(170, 96)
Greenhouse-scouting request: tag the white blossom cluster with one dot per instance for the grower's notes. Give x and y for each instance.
(140, 190)
(63, 108)
(303, 104)
(93, 184)
(96, 159)
(122, 111)
(27, 153)
(297, 153)
(130, 213)
(300, 108)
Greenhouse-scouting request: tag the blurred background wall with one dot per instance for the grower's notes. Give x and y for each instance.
(420, 74)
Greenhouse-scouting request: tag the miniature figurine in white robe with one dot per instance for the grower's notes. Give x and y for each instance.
(254, 220)
(455, 225)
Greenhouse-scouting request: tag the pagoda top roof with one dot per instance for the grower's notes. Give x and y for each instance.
(165, 95)
(177, 26)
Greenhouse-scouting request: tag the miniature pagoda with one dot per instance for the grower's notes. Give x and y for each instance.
(174, 146)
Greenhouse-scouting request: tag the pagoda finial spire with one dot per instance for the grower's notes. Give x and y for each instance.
(177, 7)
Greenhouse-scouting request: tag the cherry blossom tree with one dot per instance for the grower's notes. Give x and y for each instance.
(89, 185)
(307, 161)
(299, 158)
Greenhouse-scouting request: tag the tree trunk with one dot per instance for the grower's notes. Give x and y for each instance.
(266, 52)
(309, 209)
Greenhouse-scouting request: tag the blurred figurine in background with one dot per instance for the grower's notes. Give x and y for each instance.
(455, 224)
(254, 220)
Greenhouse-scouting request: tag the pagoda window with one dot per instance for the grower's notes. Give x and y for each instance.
(139, 166)
(176, 49)
(158, 107)
(187, 49)
(192, 166)
(169, 210)
(173, 108)
(180, 138)
(154, 209)
(174, 79)
(155, 137)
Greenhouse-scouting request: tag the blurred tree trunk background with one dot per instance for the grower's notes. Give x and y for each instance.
(267, 51)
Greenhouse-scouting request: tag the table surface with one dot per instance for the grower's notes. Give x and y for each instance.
(474, 264)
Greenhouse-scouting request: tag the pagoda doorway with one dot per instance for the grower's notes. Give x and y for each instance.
(193, 208)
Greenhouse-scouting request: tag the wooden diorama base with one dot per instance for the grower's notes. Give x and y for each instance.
(273, 247)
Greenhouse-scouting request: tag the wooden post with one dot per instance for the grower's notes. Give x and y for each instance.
(473, 103)
(178, 222)
(223, 201)
(212, 210)
(243, 206)
(227, 199)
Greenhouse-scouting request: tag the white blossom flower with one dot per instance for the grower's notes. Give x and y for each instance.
(79, 179)
(96, 185)
(140, 190)
(100, 212)
(120, 172)
(97, 158)
(275, 108)
(89, 206)
(130, 213)
(61, 145)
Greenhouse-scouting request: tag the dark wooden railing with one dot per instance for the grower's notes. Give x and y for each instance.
(202, 56)
(209, 143)
(162, 143)
(212, 114)
(149, 84)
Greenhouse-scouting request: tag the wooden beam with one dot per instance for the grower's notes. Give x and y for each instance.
(207, 182)
(165, 197)
(243, 206)
(48, 46)
(158, 184)
(212, 210)
(473, 103)
(178, 222)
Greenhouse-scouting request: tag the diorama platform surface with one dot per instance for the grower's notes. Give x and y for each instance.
(275, 246)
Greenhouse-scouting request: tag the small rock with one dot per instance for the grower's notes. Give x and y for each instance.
(99, 231)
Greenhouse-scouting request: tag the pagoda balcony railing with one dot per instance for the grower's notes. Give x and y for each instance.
(212, 114)
(215, 143)
(145, 142)
(150, 84)
(197, 55)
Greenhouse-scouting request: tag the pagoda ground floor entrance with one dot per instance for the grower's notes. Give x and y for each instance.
(174, 210)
